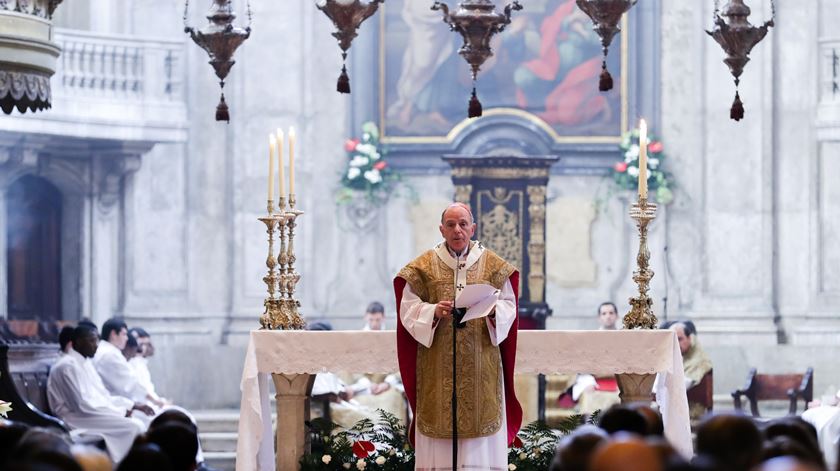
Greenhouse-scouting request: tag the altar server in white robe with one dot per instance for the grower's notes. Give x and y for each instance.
(489, 414)
(118, 376)
(140, 363)
(121, 379)
(77, 396)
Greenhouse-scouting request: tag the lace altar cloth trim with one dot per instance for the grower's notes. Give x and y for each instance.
(24, 90)
(538, 351)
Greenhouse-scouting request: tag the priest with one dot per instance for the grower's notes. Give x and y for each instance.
(488, 413)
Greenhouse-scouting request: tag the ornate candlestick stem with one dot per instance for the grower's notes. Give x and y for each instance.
(291, 277)
(641, 315)
(268, 318)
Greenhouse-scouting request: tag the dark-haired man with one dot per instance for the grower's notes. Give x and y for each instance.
(76, 395)
(112, 366)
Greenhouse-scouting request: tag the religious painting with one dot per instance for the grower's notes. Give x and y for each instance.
(545, 68)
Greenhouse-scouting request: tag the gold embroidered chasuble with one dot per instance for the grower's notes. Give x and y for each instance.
(432, 277)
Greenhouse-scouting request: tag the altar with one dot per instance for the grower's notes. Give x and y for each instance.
(293, 356)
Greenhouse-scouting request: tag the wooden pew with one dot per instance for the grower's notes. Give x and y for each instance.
(24, 368)
(790, 387)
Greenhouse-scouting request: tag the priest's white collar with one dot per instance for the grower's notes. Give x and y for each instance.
(474, 251)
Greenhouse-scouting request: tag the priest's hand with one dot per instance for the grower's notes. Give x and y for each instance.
(142, 408)
(443, 309)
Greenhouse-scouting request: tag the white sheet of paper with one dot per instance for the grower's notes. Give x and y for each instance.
(479, 300)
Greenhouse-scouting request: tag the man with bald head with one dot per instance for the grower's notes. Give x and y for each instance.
(488, 412)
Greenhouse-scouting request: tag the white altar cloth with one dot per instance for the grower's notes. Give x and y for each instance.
(538, 351)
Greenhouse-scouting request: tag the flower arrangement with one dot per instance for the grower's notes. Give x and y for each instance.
(626, 172)
(5, 408)
(382, 446)
(367, 170)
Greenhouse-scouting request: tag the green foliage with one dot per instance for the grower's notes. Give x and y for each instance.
(537, 442)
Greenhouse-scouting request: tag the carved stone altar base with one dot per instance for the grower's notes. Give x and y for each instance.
(292, 394)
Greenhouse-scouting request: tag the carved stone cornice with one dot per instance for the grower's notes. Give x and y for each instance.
(110, 170)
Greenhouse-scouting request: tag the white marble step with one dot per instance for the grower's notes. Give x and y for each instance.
(218, 441)
(220, 460)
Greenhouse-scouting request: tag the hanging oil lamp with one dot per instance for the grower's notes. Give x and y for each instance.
(476, 21)
(605, 14)
(737, 37)
(220, 39)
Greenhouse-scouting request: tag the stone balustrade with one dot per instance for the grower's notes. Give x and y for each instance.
(109, 86)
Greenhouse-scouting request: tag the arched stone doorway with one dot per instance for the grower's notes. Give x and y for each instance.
(33, 249)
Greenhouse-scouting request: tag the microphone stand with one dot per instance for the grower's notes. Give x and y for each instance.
(457, 315)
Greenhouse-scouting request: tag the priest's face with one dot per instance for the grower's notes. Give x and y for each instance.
(457, 228)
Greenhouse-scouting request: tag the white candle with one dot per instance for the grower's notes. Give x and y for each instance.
(643, 171)
(292, 160)
(281, 172)
(271, 144)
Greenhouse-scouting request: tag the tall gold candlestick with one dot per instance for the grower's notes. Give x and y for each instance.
(641, 313)
(291, 277)
(270, 304)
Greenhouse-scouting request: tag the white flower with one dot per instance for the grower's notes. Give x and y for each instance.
(373, 176)
(522, 455)
(346, 466)
(653, 163)
(353, 172)
(360, 465)
(632, 153)
(392, 451)
(359, 161)
(326, 459)
(375, 156)
(512, 467)
(380, 460)
(366, 135)
(368, 149)
(633, 171)
(5, 408)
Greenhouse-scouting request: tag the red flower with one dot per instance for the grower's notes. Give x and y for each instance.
(363, 448)
(380, 165)
(517, 442)
(620, 167)
(655, 146)
(350, 144)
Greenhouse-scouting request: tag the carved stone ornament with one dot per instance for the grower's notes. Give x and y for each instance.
(605, 14)
(476, 21)
(347, 16)
(737, 37)
(220, 38)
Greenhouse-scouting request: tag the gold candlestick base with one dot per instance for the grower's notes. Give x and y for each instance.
(641, 313)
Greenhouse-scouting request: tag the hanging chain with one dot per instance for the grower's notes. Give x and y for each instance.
(772, 10)
(248, 3)
(715, 13)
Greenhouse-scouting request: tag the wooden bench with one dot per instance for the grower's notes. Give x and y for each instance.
(789, 387)
(24, 368)
(702, 393)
